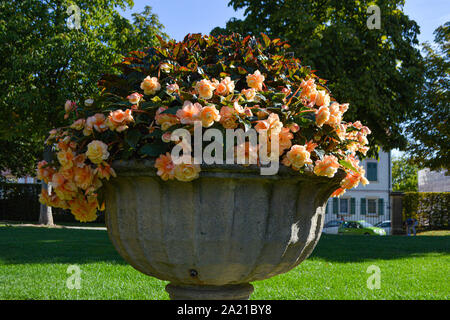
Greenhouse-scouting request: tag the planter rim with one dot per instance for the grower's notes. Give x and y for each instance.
(125, 168)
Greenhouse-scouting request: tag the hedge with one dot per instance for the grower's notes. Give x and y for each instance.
(431, 209)
(20, 202)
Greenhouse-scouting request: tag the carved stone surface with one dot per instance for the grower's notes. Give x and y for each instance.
(217, 233)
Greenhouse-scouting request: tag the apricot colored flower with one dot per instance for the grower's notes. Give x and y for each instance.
(294, 127)
(255, 80)
(165, 67)
(190, 112)
(83, 176)
(97, 122)
(118, 120)
(166, 137)
(272, 124)
(338, 192)
(351, 180)
(97, 151)
(84, 210)
(165, 120)
(326, 167)
(248, 112)
(44, 172)
(44, 197)
(362, 139)
(322, 98)
(186, 172)
(335, 117)
(225, 87)
(310, 146)
(64, 188)
(65, 158)
(172, 88)
(208, 115)
(341, 131)
(165, 166)
(78, 161)
(343, 107)
(69, 106)
(228, 118)
(322, 115)
(134, 98)
(262, 113)
(205, 89)
(363, 150)
(150, 85)
(104, 171)
(78, 125)
(285, 137)
(52, 200)
(308, 88)
(249, 94)
(298, 156)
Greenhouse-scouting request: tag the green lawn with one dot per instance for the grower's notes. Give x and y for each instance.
(34, 261)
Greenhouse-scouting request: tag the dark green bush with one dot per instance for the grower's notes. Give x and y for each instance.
(20, 202)
(431, 209)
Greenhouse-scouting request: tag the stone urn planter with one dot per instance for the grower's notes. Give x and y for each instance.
(213, 236)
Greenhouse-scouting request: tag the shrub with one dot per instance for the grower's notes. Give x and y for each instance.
(431, 209)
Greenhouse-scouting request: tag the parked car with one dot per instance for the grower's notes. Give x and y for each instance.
(331, 227)
(386, 225)
(360, 227)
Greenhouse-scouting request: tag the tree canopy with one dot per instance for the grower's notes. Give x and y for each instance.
(404, 175)
(45, 62)
(378, 71)
(429, 130)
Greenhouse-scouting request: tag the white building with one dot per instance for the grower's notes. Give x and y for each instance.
(371, 202)
(433, 181)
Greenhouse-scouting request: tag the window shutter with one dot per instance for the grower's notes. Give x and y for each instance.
(363, 206)
(381, 206)
(335, 206)
(372, 171)
(352, 206)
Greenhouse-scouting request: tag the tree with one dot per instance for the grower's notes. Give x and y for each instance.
(404, 175)
(45, 62)
(378, 71)
(430, 129)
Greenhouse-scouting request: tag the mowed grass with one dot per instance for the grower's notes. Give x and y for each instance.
(34, 263)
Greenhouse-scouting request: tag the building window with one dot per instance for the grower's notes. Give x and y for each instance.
(372, 171)
(371, 206)
(343, 206)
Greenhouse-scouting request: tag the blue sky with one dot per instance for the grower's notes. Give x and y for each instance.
(200, 16)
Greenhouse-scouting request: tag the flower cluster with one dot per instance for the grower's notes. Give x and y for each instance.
(227, 82)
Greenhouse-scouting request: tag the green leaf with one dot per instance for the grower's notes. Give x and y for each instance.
(152, 150)
(348, 165)
(172, 110)
(266, 39)
(132, 137)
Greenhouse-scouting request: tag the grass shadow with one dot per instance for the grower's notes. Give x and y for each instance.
(23, 245)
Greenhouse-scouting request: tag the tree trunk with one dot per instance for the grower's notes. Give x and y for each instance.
(45, 214)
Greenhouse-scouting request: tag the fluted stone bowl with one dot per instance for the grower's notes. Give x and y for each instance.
(213, 236)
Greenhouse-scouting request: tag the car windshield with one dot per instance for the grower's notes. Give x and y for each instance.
(365, 224)
(334, 223)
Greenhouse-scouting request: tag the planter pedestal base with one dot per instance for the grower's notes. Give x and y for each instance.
(228, 292)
